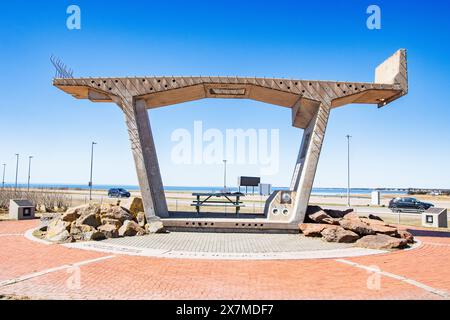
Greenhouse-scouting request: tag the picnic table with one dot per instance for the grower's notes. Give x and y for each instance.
(218, 199)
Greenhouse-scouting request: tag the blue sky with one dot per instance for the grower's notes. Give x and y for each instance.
(405, 144)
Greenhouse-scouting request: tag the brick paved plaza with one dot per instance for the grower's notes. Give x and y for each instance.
(37, 270)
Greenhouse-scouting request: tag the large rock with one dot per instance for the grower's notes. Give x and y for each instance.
(56, 227)
(314, 229)
(93, 235)
(69, 216)
(134, 205)
(338, 213)
(154, 226)
(311, 210)
(77, 209)
(390, 231)
(374, 217)
(339, 234)
(90, 219)
(141, 219)
(105, 207)
(46, 218)
(85, 233)
(351, 215)
(130, 228)
(114, 222)
(311, 229)
(109, 230)
(358, 226)
(84, 209)
(373, 222)
(406, 235)
(381, 241)
(81, 232)
(334, 221)
(319, 216)
(117, 213)
(62, 237)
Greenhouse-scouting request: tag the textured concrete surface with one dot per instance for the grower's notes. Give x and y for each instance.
(227, 242)
(225, 246)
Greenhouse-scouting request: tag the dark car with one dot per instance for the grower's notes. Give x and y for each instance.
(118, 193)
(408, 204)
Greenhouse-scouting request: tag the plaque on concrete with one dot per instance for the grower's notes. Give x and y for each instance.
(21, 209)
(435, 217)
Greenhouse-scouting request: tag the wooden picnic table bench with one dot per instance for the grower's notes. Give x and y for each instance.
(225, 200)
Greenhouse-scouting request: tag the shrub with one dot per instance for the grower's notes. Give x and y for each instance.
(44, 200)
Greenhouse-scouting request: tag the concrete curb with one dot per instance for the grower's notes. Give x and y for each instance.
(29, 235)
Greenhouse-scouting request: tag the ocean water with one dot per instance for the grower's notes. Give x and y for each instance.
(315, 191)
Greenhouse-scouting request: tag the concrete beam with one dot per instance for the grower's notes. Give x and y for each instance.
(145, 158)
(307, 160)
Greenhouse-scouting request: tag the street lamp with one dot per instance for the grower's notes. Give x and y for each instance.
(92, 163)
(29, 172)
(348, 169)
(17, 170)
(3, 181)
(225, 176)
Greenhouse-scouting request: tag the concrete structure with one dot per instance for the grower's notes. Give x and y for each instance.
(310, 101)
(21, 209)
(375, 198)
(435, 218)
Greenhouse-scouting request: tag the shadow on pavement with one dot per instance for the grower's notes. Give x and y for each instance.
(429, 233)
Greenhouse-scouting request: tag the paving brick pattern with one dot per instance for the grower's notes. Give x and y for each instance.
(227, 242)
(133, 277)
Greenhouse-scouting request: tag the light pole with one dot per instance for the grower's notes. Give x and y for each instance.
(29, 172)
(348, 169)
(225, 175)
(92, 163)
(3, 181)
(17, 170)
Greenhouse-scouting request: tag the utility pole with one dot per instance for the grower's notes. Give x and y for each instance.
(17, 170)
(225, 176)
(3, 181)
(348, 169)
(29, 172)
(92, 163)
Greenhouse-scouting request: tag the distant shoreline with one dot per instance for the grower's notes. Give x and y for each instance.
(315, 191)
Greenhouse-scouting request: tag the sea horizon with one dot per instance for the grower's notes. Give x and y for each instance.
(315, 191)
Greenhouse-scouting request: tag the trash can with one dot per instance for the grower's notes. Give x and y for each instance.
(435, 217)
(21, 209)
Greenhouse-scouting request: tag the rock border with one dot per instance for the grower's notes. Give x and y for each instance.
(94, 222)
(347, 227)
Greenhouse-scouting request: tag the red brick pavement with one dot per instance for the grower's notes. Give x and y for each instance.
(132, 277)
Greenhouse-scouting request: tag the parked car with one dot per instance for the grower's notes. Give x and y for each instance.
(118, 193)
(408, 204)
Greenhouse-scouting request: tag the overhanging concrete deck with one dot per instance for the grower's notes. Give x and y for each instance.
(310, 101)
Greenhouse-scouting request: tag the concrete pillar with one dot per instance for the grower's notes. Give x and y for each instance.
(307, 160)
(145, 158)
